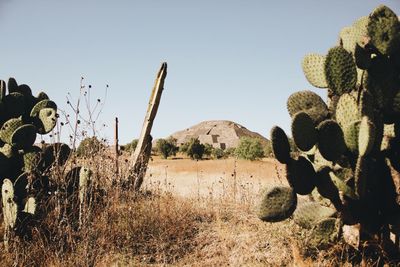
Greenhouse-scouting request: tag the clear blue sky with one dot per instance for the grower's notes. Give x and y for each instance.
(229, 59)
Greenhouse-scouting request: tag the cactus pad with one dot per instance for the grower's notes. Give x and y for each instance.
(340, 70)
(361, 177)
(330, 140)
(24, 136)
(347, 110)
(342, 186)
(313, 68)
(325, 233)
(12, 85)
(8, 151)
(366, 105)
(308, 102)
(45, 103)
(280, 145)
(42, 96)
(384, 30)
(57, 153)
(348, 38)
(31, 157)
(14, 103)
(301, 176)
(309, 214)
(304, 133)
(366, 136)
(381, 80)
(8, 129)
(46, 120)
(277, 204)
(360, 25)
(45, 116)
(326, 188)
(354, 35)
(351, 133)
(24, 90)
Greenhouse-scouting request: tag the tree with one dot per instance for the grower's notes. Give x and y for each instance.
(184, 148)
(194, 149)
(249, 148)
(167, 147)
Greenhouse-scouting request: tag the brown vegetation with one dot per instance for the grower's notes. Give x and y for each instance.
(162, 227)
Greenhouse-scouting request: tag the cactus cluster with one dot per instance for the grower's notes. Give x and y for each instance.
(350, 145)
(24, 167)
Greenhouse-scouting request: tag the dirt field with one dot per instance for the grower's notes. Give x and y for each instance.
(214, 178)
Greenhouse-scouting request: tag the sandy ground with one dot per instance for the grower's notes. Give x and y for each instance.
(188, 177)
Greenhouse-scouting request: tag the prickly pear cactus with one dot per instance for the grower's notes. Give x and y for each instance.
(22, 117)
(350, 145)
(24, 168)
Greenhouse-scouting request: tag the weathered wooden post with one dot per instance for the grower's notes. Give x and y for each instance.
(140, 157)
(116, 148)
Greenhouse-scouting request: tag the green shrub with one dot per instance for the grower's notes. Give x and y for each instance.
(218, 153)
(166, 147)
(89, 146)
(130, 147)
(194, 149)
(229, 152)
(268, 150)
(208, 150)
(249, 148)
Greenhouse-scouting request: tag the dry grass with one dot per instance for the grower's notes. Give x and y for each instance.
(151, 229)
(213, 178)
(160, 228)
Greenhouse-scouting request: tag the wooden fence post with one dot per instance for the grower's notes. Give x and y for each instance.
(140, 157)
(116, 143)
